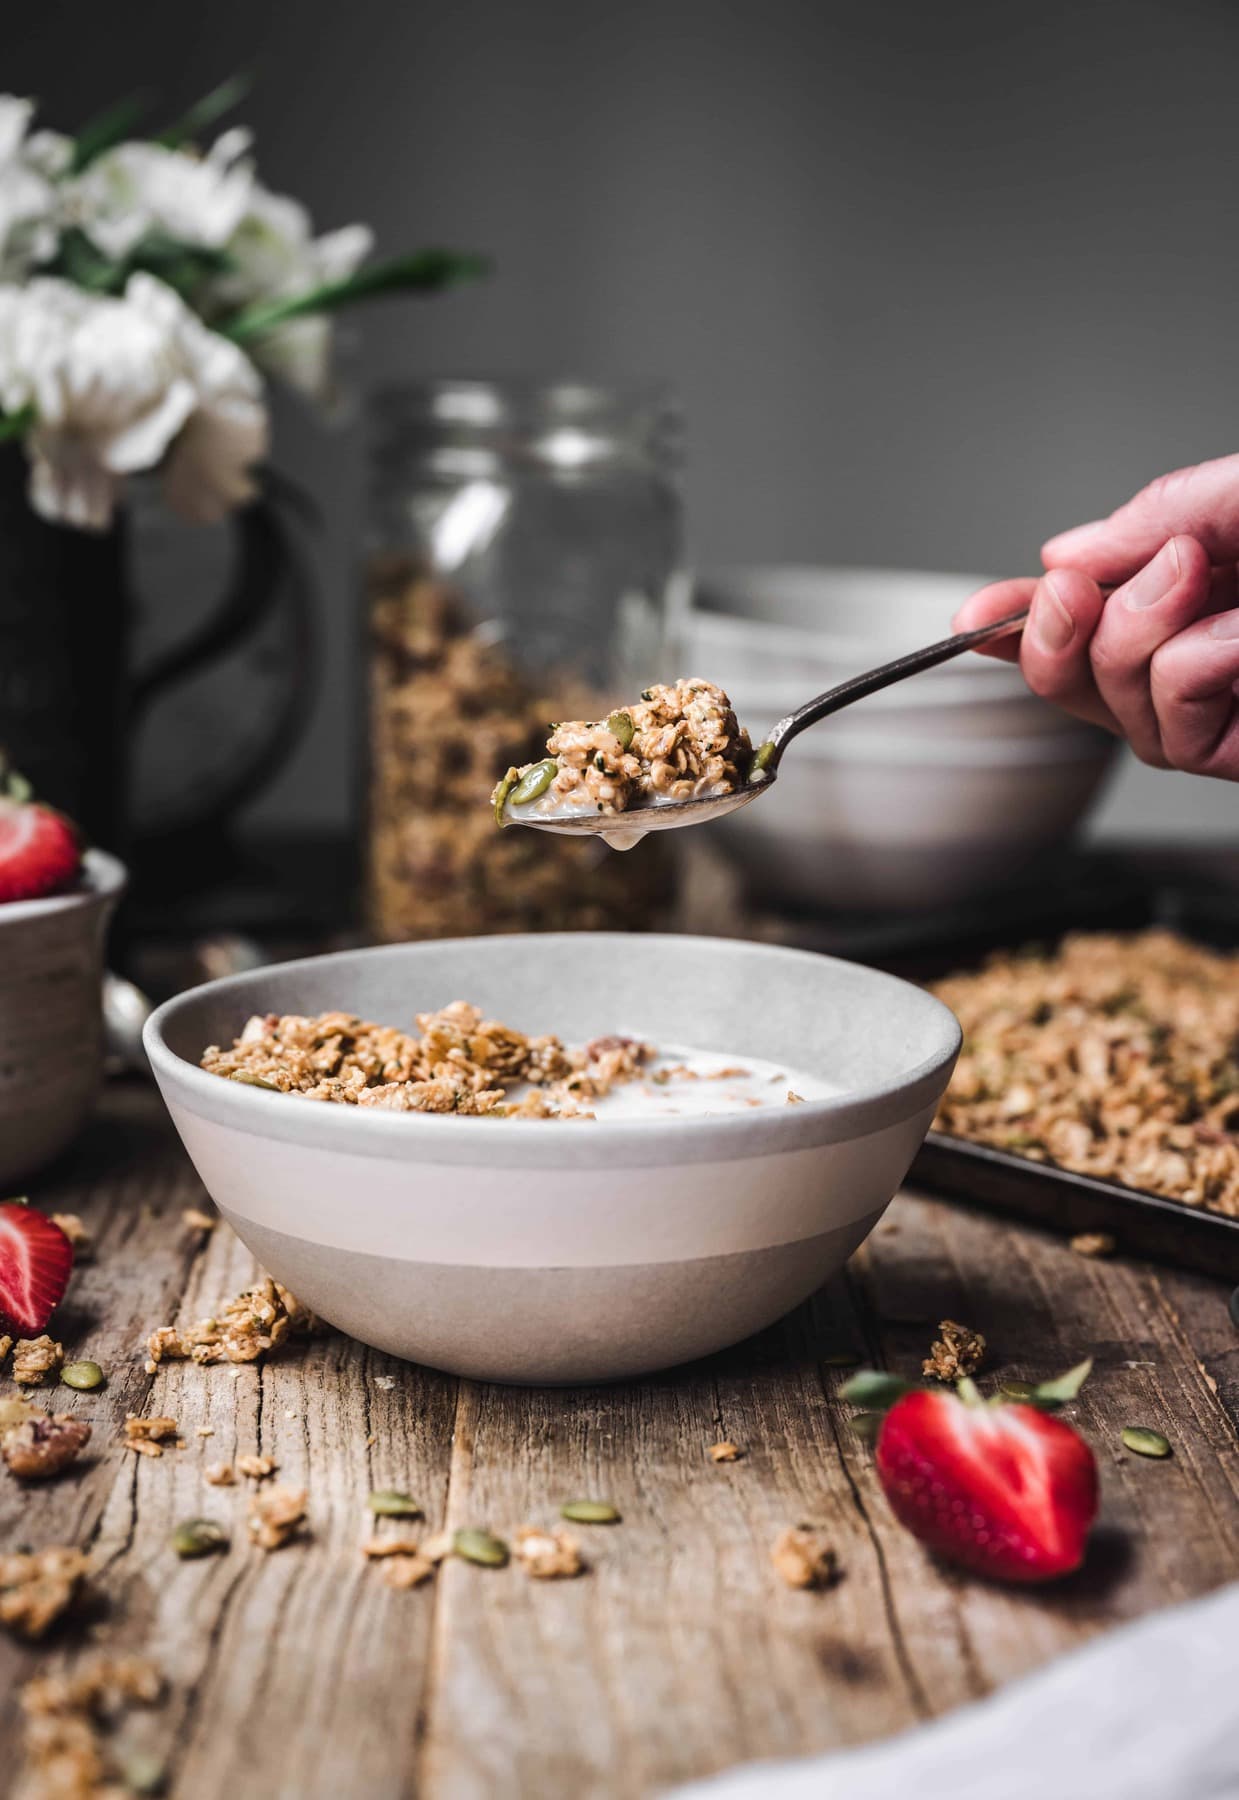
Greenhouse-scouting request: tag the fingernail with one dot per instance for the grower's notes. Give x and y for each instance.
(1155, 580)
(1226, 625)
(1052, 624)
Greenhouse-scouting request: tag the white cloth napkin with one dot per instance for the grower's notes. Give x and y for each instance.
(1149, 1712)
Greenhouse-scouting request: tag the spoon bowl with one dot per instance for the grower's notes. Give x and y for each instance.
(623, 830)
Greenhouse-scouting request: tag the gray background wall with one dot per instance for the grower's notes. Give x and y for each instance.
(934, 279)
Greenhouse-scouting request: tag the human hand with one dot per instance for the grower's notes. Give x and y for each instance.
(1157, 660)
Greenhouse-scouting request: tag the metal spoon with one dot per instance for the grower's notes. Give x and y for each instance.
(623, 830)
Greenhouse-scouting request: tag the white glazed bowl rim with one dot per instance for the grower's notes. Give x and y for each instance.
(533, 1143)
(103, 879)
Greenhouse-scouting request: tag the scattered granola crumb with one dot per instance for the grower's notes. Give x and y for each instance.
(6, 1344)
(205, 1431)
(725, 1452)
(276, 1515)
(289, 1413)
(437, 1546)
(804, 1557)
(407, 1571)
(150, 1366)
(244, 1329)
(148, 1436)
(1093, 1243)
(386, 1382)
(220, 1474)
(194, 1219)
(372, 1440)
(256, 1468)
(547, 1555)
(390, 1546)
(794, 1099)
(37, 1586)
(33, 1358)
(956, 1352)
(66, 1719)
(43, 1444)
(76, 1233)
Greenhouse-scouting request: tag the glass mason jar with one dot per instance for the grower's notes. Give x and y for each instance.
(523, 540)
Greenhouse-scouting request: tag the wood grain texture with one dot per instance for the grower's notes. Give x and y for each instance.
(678, 1651)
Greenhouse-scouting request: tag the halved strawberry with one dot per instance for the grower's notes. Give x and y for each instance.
(35, 1260)
(39, 850)
(1001, 1487)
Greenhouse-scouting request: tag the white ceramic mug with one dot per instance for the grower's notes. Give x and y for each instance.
(51, 1016)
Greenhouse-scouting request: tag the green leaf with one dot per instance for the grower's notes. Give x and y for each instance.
(15, 424)
(208, 111)
(875, 1390)
(1062, 1388)
(78, 260)
(106, 129)
(425, 271)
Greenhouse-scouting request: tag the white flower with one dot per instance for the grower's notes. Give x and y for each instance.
(274, 254)
(118, 385)
(28, 200)
(136, 189)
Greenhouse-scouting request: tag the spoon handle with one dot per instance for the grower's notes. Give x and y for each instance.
(836, 698)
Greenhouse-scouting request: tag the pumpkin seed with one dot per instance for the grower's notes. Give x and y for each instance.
(841, 1359)
(1144, 1441)
(533, 782)
(199, 1537)
(590, 1512)
(82, 1375)
(390, 1503)
(1017, 1390)
(620, 725)
(762, 758)
(248, 1080)
(867, 1425)
(502, 790)
(480, 1547)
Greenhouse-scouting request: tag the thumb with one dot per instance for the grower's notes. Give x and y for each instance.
(1200, 502)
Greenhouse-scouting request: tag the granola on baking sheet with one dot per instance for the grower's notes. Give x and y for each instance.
(680, 741)
(1113, 1056)
(459, 1063)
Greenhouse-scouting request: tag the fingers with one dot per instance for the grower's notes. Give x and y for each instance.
(1200, 502)
(998, 601)
(1055, 651)
(1194, 678)
(1163, 599)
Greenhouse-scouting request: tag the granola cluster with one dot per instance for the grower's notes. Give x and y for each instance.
(33, 1358)
(448, 708)
(954, 1353)
(66, 1722)
(42, 1444)
(459, 1063)
(147, 1437)
(276, 1516)
(804, 1557)
(37, 1586)
(1115, 1056)
(678, 742)
(244, 1329)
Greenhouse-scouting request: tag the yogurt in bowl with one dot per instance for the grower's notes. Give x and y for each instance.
(547, 1250)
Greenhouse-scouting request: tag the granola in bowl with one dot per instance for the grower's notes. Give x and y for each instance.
(1114, 1056)
(681, 741)
(464, 1064)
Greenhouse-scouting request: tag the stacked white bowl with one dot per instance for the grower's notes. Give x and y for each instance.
(943, 786)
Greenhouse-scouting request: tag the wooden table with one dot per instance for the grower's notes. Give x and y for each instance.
(679, 1652)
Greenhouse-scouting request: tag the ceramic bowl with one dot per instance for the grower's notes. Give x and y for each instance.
(51, 1019)
(544, 1252)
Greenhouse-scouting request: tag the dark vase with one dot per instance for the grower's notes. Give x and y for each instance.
(70, 699)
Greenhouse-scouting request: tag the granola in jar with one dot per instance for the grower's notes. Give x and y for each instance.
(524, 538)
